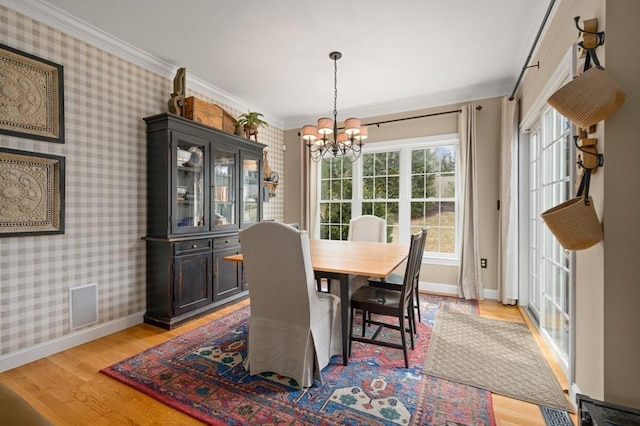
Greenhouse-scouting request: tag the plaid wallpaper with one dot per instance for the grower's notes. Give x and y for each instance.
(105, 150)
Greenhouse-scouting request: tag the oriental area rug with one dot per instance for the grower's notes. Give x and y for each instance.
(200, 373)
(495, 355)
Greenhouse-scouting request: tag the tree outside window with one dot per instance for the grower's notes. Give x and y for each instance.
(335, 198)
(433, 191)
(381, 188)
(411, 186)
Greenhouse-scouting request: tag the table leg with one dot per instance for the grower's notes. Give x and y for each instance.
(345, 303)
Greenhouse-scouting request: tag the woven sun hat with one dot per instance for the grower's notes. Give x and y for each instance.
(589, 98)
(574, 223)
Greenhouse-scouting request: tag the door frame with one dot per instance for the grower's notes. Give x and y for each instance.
(565, 70)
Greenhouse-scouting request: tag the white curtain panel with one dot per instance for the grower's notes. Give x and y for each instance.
(469, 275)
(311, 214)
(508, 215)
(314, 225)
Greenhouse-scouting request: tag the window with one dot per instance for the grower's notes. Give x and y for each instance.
(335, 198)
(410, 183)
(381, 188)
(433, 192)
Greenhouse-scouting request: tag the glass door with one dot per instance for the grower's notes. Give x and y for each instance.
(550, 265)
(535, 223)
(556, 181)
(250, 190)
(225, 163)
(189, 200)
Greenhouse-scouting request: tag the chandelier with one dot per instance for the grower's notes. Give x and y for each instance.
(347, 143)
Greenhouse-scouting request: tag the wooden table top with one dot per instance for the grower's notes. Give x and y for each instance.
(352, 257)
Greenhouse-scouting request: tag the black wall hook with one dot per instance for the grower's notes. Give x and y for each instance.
(599, 34)
(582, 30)
(599, 157)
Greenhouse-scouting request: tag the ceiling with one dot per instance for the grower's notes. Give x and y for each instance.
(273, 55)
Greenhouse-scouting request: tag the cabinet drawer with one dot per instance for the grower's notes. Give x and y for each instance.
(191, 246)
(222, 242)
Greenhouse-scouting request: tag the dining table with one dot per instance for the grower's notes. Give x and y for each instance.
(341, 260)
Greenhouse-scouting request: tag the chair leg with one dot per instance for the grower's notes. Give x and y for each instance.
(404, 341)
(412, 326)
(412, 317)
(364, 321)
(418, 303)
(351, 331)
(319, 284)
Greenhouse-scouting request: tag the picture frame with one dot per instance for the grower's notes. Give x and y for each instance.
(32, 193)
(31, 96)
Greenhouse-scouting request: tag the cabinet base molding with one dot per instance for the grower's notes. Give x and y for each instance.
(177, 321)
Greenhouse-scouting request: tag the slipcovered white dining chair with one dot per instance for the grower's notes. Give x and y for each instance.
(367, 228)
(293, 329)
(362, 228)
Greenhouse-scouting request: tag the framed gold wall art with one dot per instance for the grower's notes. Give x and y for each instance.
(31, 193)
(31, 96)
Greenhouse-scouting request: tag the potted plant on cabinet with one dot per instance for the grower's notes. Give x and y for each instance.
(250, 121)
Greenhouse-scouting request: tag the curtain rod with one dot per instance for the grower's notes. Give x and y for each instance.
(378, 123)
(533, 47)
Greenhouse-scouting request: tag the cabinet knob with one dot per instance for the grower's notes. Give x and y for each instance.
(227, 241)
(194, 246)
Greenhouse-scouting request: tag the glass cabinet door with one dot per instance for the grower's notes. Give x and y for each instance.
(250, 191)
(224, 187)
(190, 211)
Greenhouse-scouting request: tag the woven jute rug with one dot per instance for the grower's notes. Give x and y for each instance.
(495, 355)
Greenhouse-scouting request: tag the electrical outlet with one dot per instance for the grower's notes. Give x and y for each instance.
(483, 263)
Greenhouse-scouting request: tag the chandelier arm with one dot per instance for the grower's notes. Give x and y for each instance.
(316, 153)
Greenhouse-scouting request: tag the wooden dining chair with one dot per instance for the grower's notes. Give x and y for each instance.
(394, 281)
(390, 303)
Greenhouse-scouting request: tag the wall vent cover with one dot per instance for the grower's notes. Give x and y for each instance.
(83, 305)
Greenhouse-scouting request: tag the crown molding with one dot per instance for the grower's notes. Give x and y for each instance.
(447, 97)
(48, 14)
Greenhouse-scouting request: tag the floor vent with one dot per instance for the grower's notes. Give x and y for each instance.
(83, 305)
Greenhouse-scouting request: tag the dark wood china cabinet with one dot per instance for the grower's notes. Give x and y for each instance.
(203, 186)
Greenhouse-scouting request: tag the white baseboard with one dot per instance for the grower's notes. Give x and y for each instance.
(43, 350)
(451, 289)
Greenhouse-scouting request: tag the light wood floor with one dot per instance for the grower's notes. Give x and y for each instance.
(68, 389)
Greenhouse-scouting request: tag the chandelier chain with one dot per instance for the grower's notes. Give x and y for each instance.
(335, 88)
